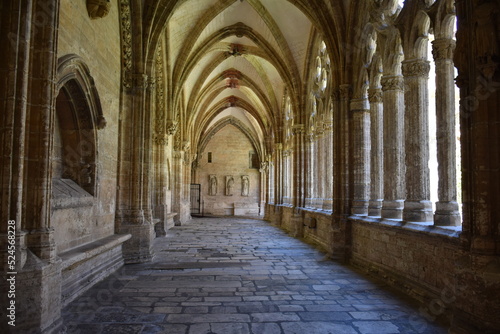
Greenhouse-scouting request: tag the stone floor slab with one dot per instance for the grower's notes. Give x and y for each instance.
(228, 276)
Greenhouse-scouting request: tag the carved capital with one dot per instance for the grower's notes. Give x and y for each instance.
(345, 92)
(416, 68)
(298, 129)
(327, 126)
(98, 8)
(443, 49)
(375, 95)
(392, 82)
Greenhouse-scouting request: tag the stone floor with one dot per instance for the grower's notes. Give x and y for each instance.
(223, 276)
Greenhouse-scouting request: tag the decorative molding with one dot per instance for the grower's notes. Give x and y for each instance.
(177, 141)
(392, 82)
(126, 34)
(416, 68)
(235, 50)
(443, 49)
(160, 136)
(98, 8)
(74, 75)
(160, 140)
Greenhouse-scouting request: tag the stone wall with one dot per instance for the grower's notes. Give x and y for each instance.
(97, 43)
(230, 150)
(421, 263)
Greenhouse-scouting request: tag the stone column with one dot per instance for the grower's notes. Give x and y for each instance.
(361, 156)
(394, 191)
(286, 176)
(447, 213)
(299, 166)
(271, 181)
(310, 170)
(376, 152)
(278, 174)
(178, 185)
(417, 207)
(319, 157)
(27, 93)
(263, 189)
(342, 167)
(328, 167)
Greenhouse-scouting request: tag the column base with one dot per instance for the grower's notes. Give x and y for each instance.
(447, 214)
(359, 207)
(37, 298)
(375, 208)
(418, 211)
(392, 209)
(328, 204)
(138, 249)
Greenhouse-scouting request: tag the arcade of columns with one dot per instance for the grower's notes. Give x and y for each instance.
(347, 168)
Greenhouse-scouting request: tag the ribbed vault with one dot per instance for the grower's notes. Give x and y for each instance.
(249, 54)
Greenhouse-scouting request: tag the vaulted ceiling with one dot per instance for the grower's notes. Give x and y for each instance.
(236, 59)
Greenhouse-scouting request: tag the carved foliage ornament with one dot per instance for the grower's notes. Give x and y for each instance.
(98, 8)
(442, 49)
(126, 32)
(160, 135)
(416, 68)
(395, 82)
(375, 95)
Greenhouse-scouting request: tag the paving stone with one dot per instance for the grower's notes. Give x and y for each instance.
(266, 328)
(167, 310)
(200, 318)
(121, 329)
(317, 327)
(226, 328)
(324, 316)
(274, 317)
(376, 327)
(185, 290)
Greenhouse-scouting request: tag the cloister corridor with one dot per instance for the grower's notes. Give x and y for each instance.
(237, 275)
